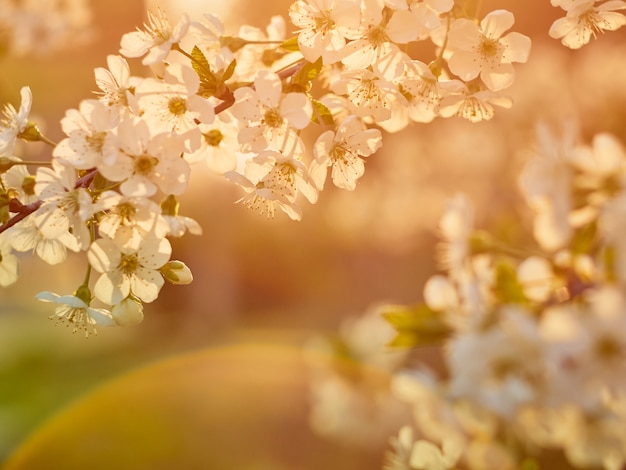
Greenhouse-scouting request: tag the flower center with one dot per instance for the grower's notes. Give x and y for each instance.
(95, 141)
(273, 118)
(177, 106)
(69, 203)
(144, 164)
(488, 47)
(377, 36)
(339, 154)
(126, 211)
(280, 180)
(323, 23)
(128, 264)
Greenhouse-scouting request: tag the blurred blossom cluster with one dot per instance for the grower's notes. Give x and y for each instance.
(533, 331)
(43, 26)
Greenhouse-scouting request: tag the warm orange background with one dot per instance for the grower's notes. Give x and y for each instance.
(350, 251)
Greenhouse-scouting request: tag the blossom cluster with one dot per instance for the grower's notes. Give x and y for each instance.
(535, 336)
(273, 115)
(43, 26)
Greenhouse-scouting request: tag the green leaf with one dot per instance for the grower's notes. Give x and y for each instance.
(321, 111)
(308, 72)
(209, 83)
(201, 65)
(507, 288)
(291, 44)
(230, 70)
(584, 239)
(416, 326)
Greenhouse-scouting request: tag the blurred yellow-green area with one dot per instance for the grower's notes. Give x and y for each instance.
(213, 377)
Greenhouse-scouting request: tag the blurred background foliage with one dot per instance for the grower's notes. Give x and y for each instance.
(268, 282)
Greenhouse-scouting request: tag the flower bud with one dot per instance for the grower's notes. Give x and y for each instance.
(31, 133)
(128, 312)
(176, 272)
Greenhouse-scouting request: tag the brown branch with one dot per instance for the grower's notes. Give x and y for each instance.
(22, 210)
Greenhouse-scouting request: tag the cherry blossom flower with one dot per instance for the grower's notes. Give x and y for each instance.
(585, 19)
(144, 163)
(473, 104)
(342, 151)
(375, 41)
(456, 225)
(90, 138)
(259, 199)
(422, 91)
(507, 370)
(128, 271)
(284, 176)
(26, 236)
(64, 206)
(254, 56)
(20, 183)
(321, 23)
(368, 94)
(116, 84)
(172, 104)
(178, 224)
(546, 181)
(128, 220)
(268, 116)
(157, 39)
(77, 313)
(482, 50)
(217, 145)
(14, 122)
(274, 180)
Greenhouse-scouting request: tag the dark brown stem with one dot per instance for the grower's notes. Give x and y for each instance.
(22, 210)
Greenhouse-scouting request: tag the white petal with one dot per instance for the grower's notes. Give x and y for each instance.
(104, 255)
(146, 284)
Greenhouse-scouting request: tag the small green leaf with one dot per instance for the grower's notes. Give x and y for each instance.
(584, 239)
(321, 111)
(308, 72)
(416, 326)
(230, 70)
(291, 44)
(209, 82)
(200, 64)
(507, 288)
